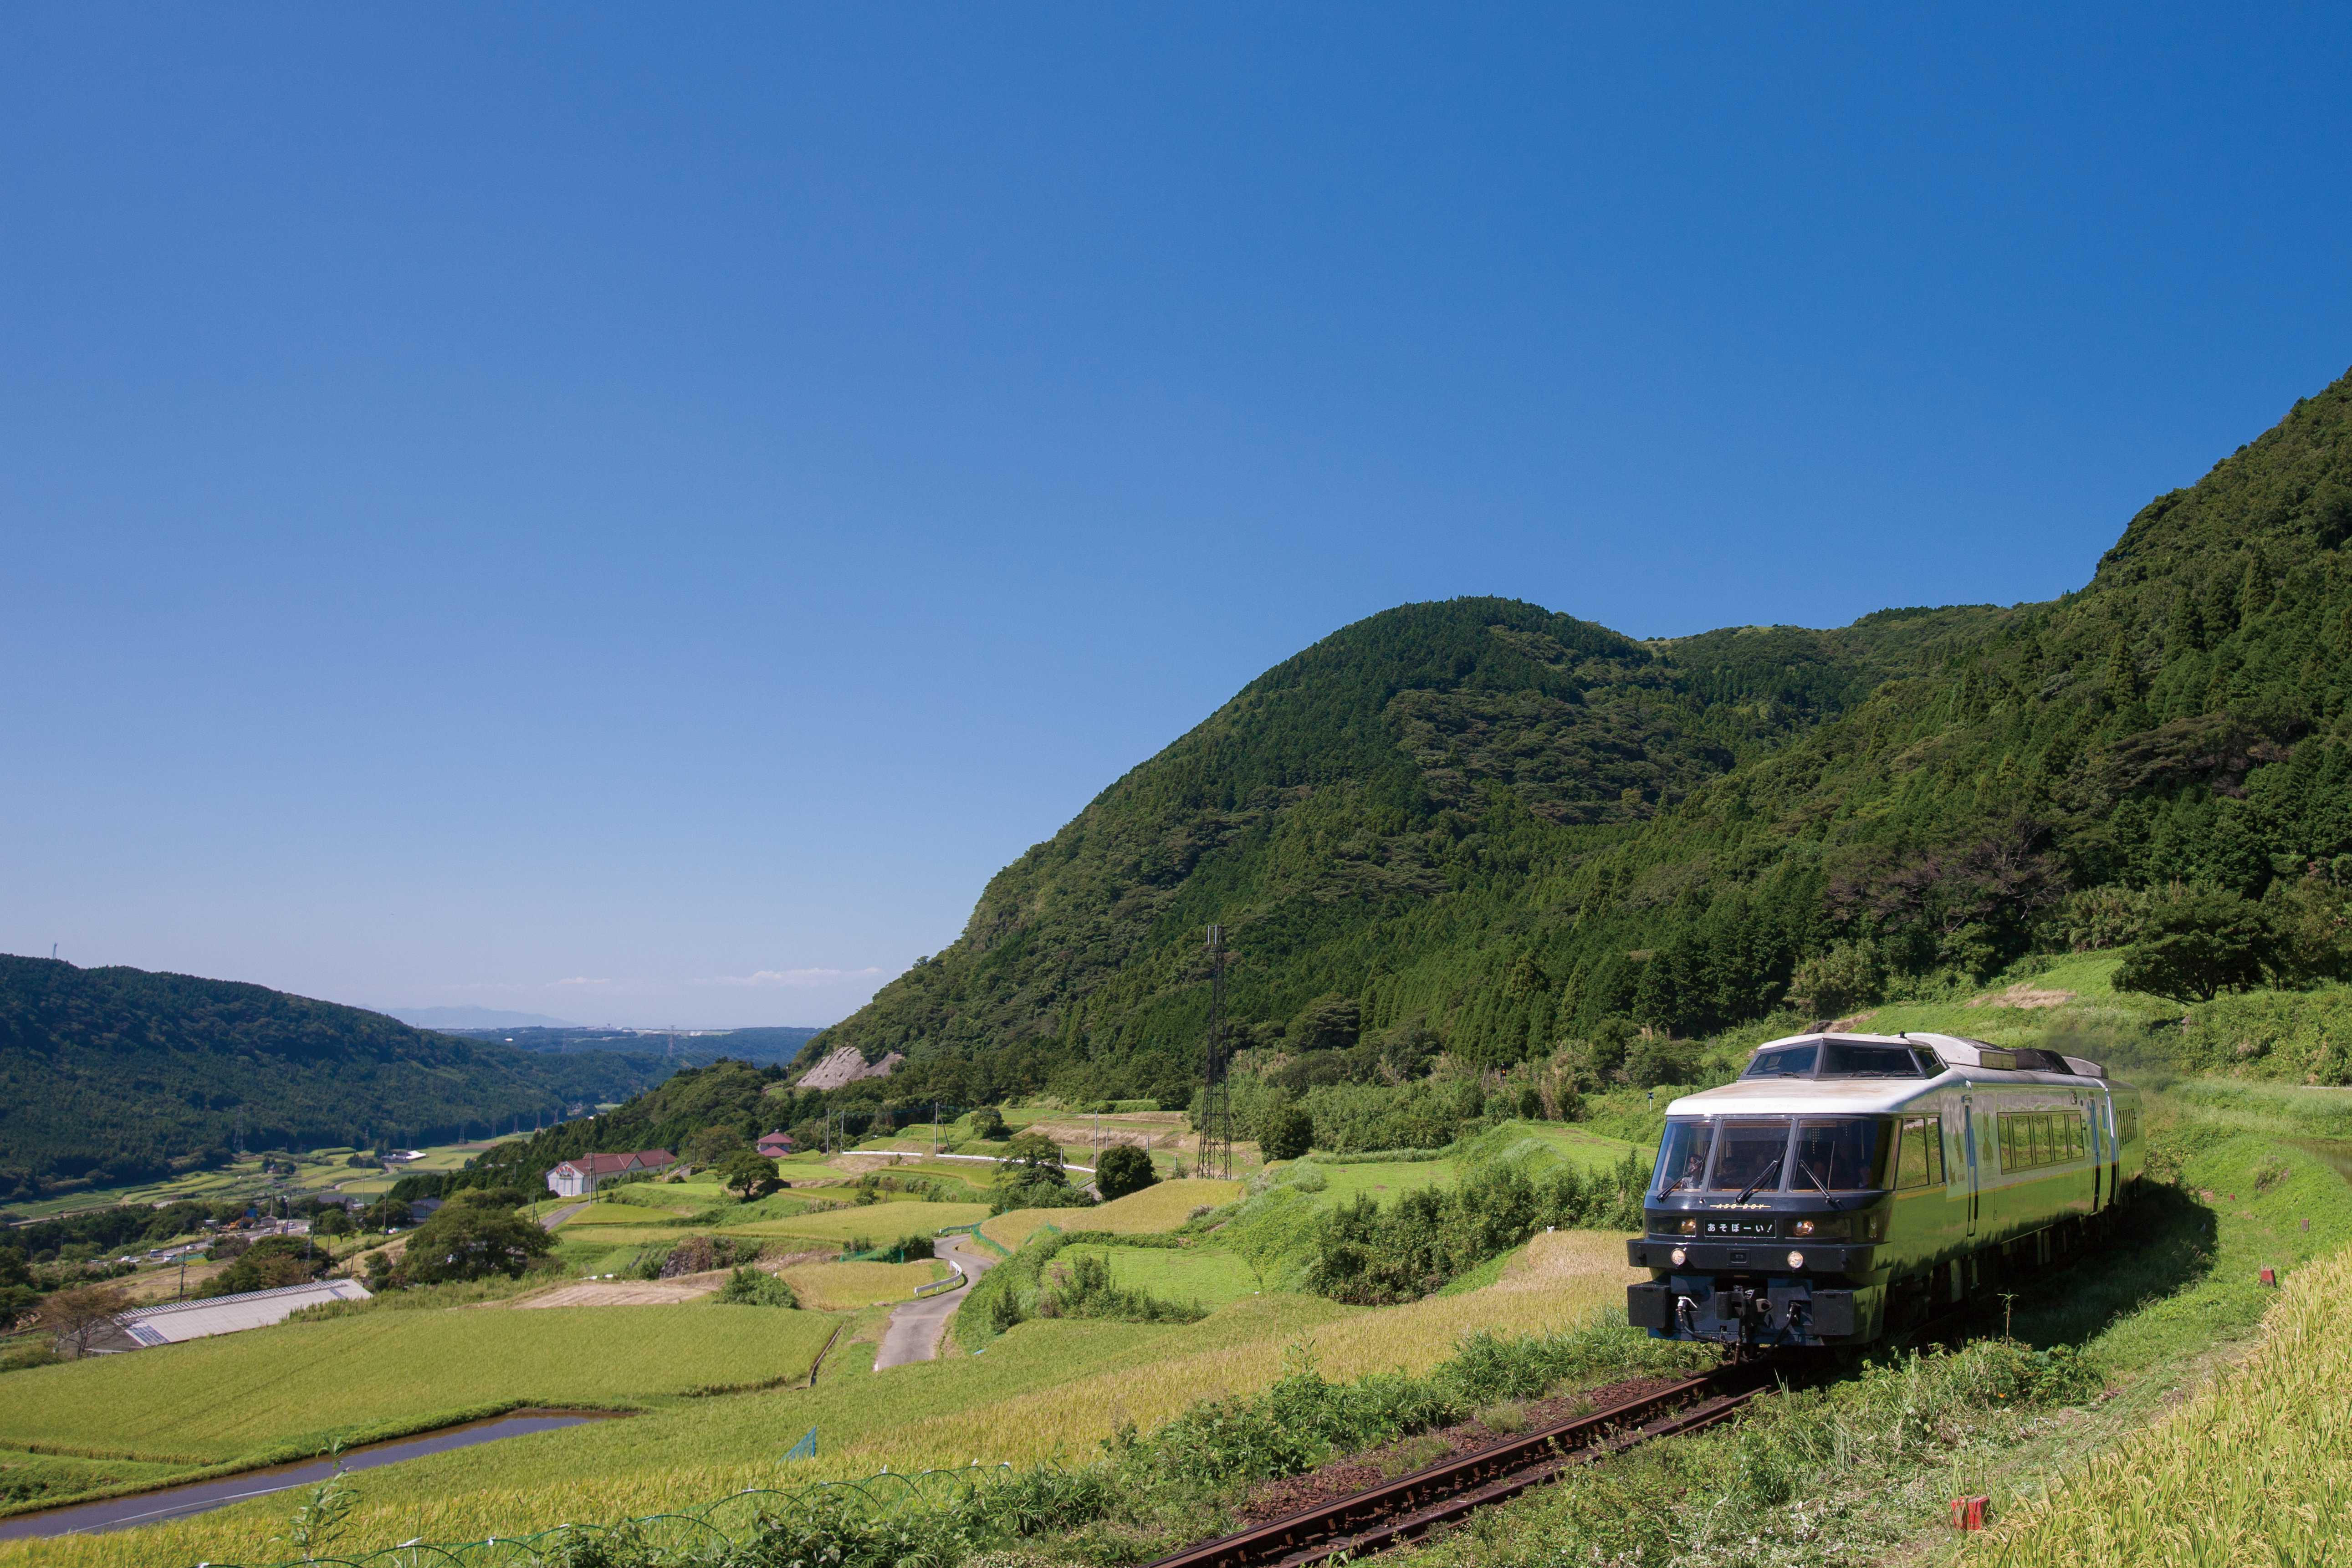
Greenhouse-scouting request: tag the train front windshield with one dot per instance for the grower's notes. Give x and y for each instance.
(1682, 1157)
(1819, 1154)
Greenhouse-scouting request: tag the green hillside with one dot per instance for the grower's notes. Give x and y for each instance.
(113, 1075)
(1488, 826)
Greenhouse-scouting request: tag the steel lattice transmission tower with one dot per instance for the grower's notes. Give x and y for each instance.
(1216, 1096)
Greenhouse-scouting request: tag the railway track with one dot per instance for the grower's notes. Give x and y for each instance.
(1418, 1503)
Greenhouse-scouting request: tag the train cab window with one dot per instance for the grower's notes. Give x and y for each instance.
(2127, 1123)
(1844, 1059)
(1682, 1156)
(1789, 1061)
(1920, 1152)
(1845, 1154)
(1750, 1154)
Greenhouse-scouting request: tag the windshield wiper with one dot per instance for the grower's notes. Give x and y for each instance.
(1807, 1171)
(1748, 1191)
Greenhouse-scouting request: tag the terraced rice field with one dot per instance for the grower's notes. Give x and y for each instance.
(841, 1286)
(1044, 1386)
(1208, 1276)
(877, 1222)
(245, 1397)
(1160, 1207)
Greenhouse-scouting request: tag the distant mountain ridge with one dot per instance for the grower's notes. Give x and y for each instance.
(118, 1074)
(696, 1047)
(1504, 827)
(474, 1018)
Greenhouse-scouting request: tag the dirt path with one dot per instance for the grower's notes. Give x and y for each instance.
(915, 1328)
(554, 1217)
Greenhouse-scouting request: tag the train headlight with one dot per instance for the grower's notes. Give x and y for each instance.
(1802, 1227)
(1679, 1257)
(1796, 1260)
(1690, 1227)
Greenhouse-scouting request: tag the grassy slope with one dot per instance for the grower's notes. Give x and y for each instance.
(1207, 1276)
(2255, 1469)
(2176, 1299)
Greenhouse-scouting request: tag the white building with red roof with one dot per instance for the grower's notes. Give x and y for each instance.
(577, 1178)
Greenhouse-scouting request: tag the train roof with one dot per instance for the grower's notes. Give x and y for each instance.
(1963, 1059)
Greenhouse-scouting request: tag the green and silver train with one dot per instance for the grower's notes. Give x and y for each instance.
(1850, 1185)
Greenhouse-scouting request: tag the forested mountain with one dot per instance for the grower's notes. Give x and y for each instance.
(1498, 827)
(120, 1075)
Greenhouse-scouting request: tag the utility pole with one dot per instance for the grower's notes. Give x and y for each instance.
(1216, 1096)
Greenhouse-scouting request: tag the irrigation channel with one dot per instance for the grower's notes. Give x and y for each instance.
(201, 1496)
(1414, 1504)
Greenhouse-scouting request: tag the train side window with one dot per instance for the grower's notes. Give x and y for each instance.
(2011, 1160)
(1911, 1154)
(2076, 1135)
(2039, 1123)
(1919, 1157)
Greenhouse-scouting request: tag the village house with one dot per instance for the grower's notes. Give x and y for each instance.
(775, 1145)
(578, 1178)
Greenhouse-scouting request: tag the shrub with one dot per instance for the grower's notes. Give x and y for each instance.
(1374, 1253)
(1122, 1169)
(750, 1287)
(1083, 1288)
(1288, 1133)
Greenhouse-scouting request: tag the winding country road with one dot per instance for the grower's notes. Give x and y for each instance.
(915, 1329)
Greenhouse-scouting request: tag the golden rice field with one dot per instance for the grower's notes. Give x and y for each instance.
(839, 1286)
(1161, 1206)
(1045, 1387)
(879, 1222)
(2257, 1467)
(242, 1396)
(602, 1212)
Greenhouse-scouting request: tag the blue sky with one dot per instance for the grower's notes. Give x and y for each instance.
(635, 514)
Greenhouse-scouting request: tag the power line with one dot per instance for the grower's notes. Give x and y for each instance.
(1216, 1095)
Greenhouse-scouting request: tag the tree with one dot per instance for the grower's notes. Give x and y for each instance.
(1122, 1169)
(749, 1174)
(2197, 942)
(710, 1147)
(1031, 1157)
(1286, 1132)
(468, 1241)
(75, 1316)
(1330, 1022)
(390, 1214)
(988, 1122)
(268, 1264)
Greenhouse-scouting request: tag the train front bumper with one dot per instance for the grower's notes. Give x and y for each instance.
(1757, 1310)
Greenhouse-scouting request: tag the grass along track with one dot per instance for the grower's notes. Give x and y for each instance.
(1436, 1495)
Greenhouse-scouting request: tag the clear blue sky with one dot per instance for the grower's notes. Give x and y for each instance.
(635, 514)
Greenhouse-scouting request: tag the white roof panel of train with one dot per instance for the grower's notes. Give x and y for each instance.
(1863, 1096)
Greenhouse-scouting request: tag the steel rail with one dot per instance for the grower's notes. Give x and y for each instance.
(1416, 1503)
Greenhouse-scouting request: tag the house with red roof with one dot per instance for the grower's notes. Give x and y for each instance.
(775, 1145)
(578, 1178)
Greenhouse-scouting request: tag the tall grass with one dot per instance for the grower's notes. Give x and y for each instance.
(2257, 1467)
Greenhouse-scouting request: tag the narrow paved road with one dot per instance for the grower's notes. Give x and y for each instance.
(915, 1329)
(554, 1217)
